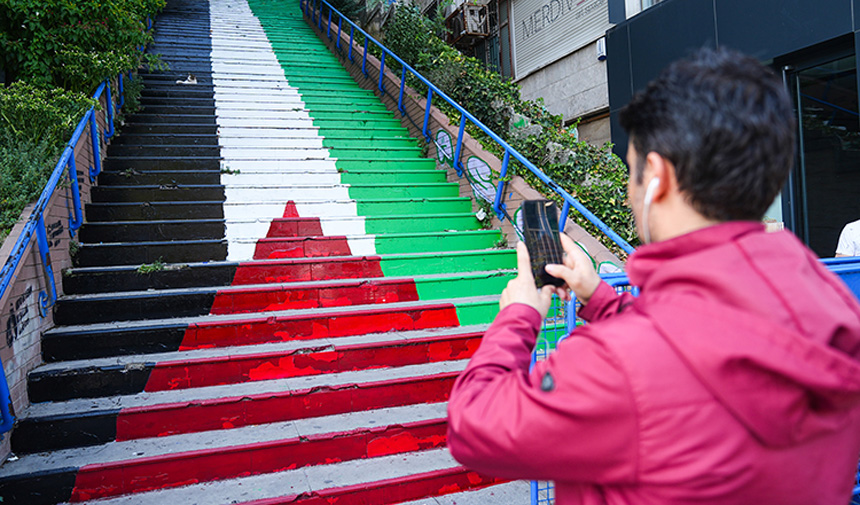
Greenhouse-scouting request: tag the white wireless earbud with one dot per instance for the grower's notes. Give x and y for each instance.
(646, 207)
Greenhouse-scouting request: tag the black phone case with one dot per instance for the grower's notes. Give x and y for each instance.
(540, 229)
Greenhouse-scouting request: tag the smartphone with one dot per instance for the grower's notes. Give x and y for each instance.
(540, 229)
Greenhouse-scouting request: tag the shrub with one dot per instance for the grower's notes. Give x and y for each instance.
(26, 167)
(592, 174)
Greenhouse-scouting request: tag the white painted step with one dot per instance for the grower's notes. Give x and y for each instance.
(510, 493)
(247, 178)
(275, 122)
(245, 132)
(279, 142)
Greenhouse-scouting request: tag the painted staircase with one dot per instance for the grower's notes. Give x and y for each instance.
(274, 294)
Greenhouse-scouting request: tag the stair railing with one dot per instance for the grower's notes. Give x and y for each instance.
(313, 9)
(36, 222)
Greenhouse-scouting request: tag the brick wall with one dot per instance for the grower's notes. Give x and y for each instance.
(21, 322)
(414, 105)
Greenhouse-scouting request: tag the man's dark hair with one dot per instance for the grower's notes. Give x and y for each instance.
(726, 123)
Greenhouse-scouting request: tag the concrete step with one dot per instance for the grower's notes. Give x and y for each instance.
(253, 450)
(152, 231)
(160, 193)
(187, 275)
(380, 481)
(132, 374)
(162, 335)
(93, 421)
(135, 253)
(153, 211)
(243, 299)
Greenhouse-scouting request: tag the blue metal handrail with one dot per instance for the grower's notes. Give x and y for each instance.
(36, 224)
(499, 207)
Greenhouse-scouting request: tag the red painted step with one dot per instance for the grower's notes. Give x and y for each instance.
(391, 491)
(307, 269)
(258, 330)
(295, 227)
(301, 247)
(233, 412)
(193, 373)
(178, 469)
(303, 296)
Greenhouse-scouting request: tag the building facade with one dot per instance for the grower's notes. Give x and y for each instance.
(812, 45)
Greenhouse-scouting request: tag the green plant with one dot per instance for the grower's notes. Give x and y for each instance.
(33, 113)
(148, 268)
(25, 166)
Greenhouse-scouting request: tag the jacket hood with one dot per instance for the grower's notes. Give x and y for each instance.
(771, 333)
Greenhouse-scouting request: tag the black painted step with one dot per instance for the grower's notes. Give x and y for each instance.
(152, 231)
(167, 92)
(102, 341)
(181, 110)
(150, 117)
(133, 306)
(87, 382)
(120, 150)
(169, 128)
(155, 211)
(148, 101)
(163, 193)
(132, 177)
(160, 163)
(63, 432)
(124, 278)
(151, 139)
(134, 253)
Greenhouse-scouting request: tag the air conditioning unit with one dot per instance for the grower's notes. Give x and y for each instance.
(468, 24)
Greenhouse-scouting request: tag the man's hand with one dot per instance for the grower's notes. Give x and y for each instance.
(522, 289)
(577, 271)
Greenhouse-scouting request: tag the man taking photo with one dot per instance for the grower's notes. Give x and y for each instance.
(733, 378)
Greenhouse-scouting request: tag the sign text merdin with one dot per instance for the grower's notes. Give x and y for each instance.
(554, 10)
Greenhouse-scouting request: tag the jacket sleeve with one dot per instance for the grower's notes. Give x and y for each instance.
(571, 419)
(604, 303)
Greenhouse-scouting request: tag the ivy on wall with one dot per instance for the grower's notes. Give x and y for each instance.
(54, 55)
(592, 174)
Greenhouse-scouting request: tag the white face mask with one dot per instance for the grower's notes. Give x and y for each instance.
(646, 207)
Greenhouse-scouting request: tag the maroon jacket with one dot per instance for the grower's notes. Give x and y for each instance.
(732, 379)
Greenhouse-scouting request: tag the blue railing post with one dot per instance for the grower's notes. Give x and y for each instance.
(96, 169)
(402, 85)
(319, 25)
(339, 22)
(427, 113)
(364, 59)
(498, 205)
(351, 33)
(76, 215)
(562, 219)
(121, 92)
(46, 299)
(457, 165)
(109, 120)
(328, 28)
(382, 73)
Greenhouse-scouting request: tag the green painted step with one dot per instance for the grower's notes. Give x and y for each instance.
(376, 191)
(395, 243)
(375, 142)
(388, 177)
(368, 103)
(406, 265)
(418, 206)
(375, 154)
(467, 284)
(339, 122)
(347, 164)
(476, 312)
(366, 115)
(377, 225)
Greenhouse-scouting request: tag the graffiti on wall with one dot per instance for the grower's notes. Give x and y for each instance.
(55, 230)
(478, 172)
(19, 316)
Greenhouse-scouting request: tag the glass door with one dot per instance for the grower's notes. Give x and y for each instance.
(826, 183)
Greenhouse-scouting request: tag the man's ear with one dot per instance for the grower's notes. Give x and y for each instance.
(656, 166)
